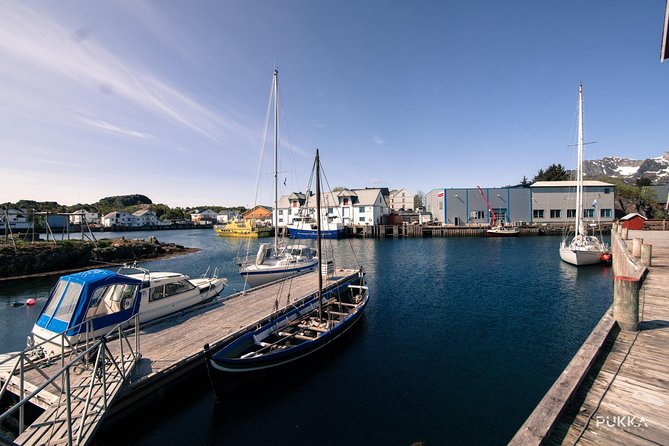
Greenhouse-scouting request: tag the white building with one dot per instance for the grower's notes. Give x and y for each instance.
(401, 200)
(349, 207)
(83, 216)
(14, 219)
(145, 217)
(204, 217)
(225, 216)
(119, 218)
(288, 207)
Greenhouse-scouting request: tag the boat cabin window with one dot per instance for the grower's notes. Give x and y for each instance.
(178, 287)
(64, 300)
(111, 299)
(169, 289)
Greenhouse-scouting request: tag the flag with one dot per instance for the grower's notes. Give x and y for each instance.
(594, 203)
(284, 180)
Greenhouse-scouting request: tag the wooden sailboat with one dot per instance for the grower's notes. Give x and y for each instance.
(303, 330)
(582, 248)
(272, 261)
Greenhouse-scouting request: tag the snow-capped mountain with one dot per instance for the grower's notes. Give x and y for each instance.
(656, 169)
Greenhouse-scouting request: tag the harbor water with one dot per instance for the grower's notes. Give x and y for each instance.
(461, 340)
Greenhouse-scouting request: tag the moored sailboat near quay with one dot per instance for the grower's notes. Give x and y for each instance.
(582, 249)
(300, 331)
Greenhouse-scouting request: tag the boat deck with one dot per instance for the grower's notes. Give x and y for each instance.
(624, 400)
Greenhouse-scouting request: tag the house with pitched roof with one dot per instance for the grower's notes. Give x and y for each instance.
(146, 217)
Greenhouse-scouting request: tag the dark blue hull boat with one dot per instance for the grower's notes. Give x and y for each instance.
(296, 334)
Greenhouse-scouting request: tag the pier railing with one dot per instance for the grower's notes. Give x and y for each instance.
(80, 402)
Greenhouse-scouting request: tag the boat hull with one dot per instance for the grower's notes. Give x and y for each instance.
(233, 359)
(581, 257)
(259, 277)
(311, 233)
(503, 233)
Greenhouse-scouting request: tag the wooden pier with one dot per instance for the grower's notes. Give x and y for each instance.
(616, 390)
(173, 347)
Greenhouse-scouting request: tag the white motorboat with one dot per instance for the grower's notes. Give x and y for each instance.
(88, 304)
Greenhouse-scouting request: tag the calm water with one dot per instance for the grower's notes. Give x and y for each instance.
(462, 339)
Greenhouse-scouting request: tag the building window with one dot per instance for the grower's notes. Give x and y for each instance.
(477, 215)
(588, 213)
(281, 220)
(362, 209)
(441, 205)
(571, 213)
(295, 204)
(345, 201)
(605, 213)
(607, 190)
(330, 210)
(280, 211)
(538, 213)
(361, 219)
(556, 213)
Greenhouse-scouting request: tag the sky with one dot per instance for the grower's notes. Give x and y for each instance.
(169, 99)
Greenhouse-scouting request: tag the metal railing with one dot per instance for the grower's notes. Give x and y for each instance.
(78, 356)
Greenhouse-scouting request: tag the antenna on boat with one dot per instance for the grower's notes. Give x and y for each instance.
(318, 238)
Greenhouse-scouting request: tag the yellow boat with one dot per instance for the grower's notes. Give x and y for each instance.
(242, 228)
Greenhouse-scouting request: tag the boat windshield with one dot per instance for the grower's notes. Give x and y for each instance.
(63, 300)
(111, 299)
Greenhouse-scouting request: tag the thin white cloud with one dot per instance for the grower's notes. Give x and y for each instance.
(376, 181)
(111, 127)
(378, 140)
(40, 51)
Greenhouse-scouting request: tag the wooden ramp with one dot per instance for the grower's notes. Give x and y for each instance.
(74, 418)
(625, 398)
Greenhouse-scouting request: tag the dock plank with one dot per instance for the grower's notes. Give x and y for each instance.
(625, 400)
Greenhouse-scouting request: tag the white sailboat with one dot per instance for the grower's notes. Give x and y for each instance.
(273, 261)
(582, 248)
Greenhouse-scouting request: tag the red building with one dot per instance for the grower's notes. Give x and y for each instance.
(633, 221)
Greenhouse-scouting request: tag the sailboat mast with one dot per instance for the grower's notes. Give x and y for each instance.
(579, 171)
(318, 238)
(276, 162)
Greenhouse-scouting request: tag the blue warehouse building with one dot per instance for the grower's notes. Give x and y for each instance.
(543, 202)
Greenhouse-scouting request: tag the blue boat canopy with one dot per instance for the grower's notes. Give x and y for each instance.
(104, 296)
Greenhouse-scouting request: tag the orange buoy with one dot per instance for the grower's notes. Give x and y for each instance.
(30, 302)
(606, 257)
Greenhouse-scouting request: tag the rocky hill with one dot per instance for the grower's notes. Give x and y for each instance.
(629, 170)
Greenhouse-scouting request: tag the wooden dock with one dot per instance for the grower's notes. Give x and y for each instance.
(173, 347)
(622, 397)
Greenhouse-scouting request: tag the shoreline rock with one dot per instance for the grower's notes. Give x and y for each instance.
(46, 258)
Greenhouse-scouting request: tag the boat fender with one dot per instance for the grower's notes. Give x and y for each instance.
(30, 302)
(17, 304)
(606, 257)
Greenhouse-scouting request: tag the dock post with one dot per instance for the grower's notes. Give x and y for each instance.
(646, 254)
(636, 247)
(626, 302)
(625, 234)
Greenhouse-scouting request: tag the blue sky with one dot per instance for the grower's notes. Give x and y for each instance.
(168, 98)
